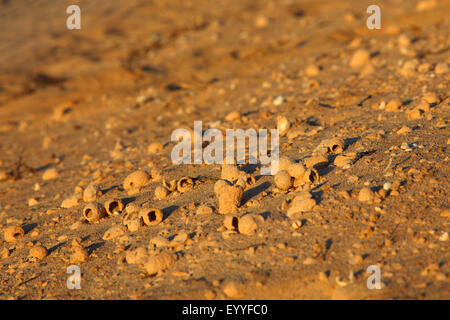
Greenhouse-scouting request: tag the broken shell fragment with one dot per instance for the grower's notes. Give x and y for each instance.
(330, 146)
(160, 263)
(230, 198)
(184, 184)
(249, 180)
(151, 216)
(311, 176)
(13, 233)
(114, 207)
(38, 253)
(170, 185)
(136, 179)
(93, 212)
(283, 180)
(336, 145)
(231, 222)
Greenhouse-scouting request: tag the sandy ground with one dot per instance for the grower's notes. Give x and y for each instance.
(91, 106)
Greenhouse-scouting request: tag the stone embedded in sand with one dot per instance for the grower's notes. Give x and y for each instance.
(91, 193)
(136, 179)
(232, 289)
(5, 175)
(93, 212)
(232, 116)
(114, 232)
(151, 216)
(159, 242)
(283, 125)
(296, 170)
(409, 68)
(312, 71)
(156, 174)
(284, 163)
(132, 220)
(219, 186)
(114, 207)
(13, 233)
(444, 236)
(430, 98)
(70, 202)
(204, 209)
(425, 5)
(441, 68)
(134, 225)
(155, 147)
(230, 198)
(137, 256)
(185, 184)
(359, 58)
(414, 114)
(303, 202)
(50, 174)
(5, 253)
(180, 238)
(261, 22)
(248, 224)
(32, 202)
(132, 207)
(317, 162)
(79, 253)
(345, 160)
(424, 106)
(279, 100)
(160, 263)
(230, 172)
(445, 213)
(161, 193)
(366, 195)
(38, 252)
(283, 180)
(404, 40)
(393, 105)
(404, 130)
